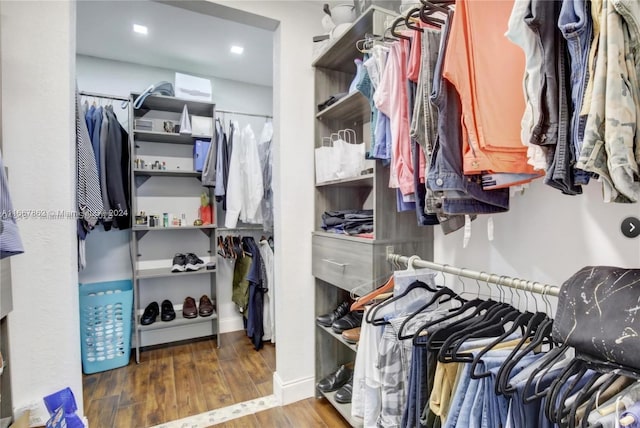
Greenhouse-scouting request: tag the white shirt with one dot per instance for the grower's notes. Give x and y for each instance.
(244, 187)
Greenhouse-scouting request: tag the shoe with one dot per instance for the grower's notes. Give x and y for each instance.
(343, 396)
(328, 319)
(179, 263)
(189, 309)
(193, 262)
(335, 380)
(352, 335)
(205, 308)
(150, 314)
(167, 313)
(352, 320)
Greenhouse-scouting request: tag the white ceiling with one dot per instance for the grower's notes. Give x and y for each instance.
(178, 39)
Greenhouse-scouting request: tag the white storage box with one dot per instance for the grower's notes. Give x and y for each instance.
(193, 88)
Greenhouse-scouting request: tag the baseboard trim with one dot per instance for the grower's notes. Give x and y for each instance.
(230, 324)
(296, 390)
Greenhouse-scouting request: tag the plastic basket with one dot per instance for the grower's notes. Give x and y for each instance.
(105, 324)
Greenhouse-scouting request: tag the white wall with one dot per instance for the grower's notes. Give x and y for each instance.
(121, 78)
(38, 137)
(108, 255)
(546, 237)
(293, 189)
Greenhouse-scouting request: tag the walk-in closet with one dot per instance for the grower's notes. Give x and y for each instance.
(403, 213)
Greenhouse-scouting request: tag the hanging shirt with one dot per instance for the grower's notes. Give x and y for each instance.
(391, 98)
(245, 188)
(10, 242)
(264, 151)
(268, 319)
(222, 162)
(490, 90)
(89, 199)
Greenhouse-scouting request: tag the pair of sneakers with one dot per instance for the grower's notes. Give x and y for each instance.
(186, 263)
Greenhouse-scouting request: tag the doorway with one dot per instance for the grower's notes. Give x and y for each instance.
(113, 59)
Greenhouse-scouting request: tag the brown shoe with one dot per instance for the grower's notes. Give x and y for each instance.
(205, 308)
(352, 336)
(189, 309)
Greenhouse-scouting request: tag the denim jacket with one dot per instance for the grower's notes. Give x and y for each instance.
(610, 147)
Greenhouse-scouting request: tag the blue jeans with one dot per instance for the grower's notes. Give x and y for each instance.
(462, 194)
(577, 28)
(417, 394)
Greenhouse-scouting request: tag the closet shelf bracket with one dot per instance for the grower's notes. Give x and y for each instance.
(141, 179)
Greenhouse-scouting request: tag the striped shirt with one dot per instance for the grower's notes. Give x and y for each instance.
(10, 242)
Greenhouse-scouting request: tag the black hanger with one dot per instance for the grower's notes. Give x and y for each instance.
(593, 402)
(482, 327)
(551, 358)
(583, 397)
(539, 327)
(444, 291)
(561, 389)
(521, 320)
(430, 7)
(371, 315)
(398, 20)
(479, 305)
(408, 17)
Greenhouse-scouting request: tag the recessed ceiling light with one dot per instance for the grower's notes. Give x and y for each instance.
(237, 49)
(140, 29)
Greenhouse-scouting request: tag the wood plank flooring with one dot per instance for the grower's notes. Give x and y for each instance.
(183, 380)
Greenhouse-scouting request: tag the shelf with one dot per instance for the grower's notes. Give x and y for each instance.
(178, 322)
(343, 409)
(360, 181)
(341, 52)
(148, 228)
(338, 337)
(166, 173)
(345, 237)
(167, 137)
(352, 108)
(164, 103)
(166, 273)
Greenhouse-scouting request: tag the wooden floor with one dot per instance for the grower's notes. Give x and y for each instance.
(184, 380)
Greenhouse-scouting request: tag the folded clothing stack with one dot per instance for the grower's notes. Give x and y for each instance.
(350, 222)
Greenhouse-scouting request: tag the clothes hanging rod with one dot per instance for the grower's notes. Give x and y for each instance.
(109, 97)
(244, 114)
(517, 283)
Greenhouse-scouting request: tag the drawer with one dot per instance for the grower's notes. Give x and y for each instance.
(345, 263)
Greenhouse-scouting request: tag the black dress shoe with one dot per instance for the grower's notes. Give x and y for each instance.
(335, 380)
(343, 396)
(352, 320)
(328, 319)
(168, 314)
(150, 314)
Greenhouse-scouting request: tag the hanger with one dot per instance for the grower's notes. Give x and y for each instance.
(363, 300)
(371, 317)
(444, 291)
(409, 17)
(585, 395)
(394, 33)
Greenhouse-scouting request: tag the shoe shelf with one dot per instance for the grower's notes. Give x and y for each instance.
(365, 180)
(343, 409)
(179, 321)
(338, 337)
(154, 281)
(352, 108)
(165, 173)
(167, 137)
(166, 273)
(148, 228)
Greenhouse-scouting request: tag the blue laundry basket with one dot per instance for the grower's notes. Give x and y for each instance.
(105, 324)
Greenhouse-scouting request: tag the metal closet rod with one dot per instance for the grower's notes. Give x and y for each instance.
(97, 95)
(244, 114)
(517, 283)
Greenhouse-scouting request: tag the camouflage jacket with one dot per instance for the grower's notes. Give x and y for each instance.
(611, 145)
